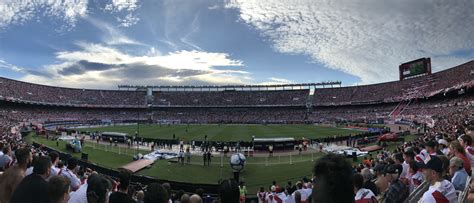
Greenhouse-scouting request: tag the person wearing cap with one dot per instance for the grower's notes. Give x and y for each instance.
(397, 191)
(443, 146)
(466, 142)
(458, 173)
(440, 190)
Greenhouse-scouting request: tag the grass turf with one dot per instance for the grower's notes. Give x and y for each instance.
(259, 171)
(226, 132)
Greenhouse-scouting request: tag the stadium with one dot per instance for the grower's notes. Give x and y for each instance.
(227, 119)
(127, 101)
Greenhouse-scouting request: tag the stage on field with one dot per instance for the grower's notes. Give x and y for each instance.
(371, 148)
(137, 165)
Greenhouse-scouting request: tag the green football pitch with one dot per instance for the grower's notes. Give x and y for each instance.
(230, 132)
(259, 171)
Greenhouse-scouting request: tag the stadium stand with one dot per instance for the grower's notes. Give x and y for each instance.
(233, 98)
(420, 87)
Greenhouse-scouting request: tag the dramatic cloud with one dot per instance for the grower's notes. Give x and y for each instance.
(70, 11)
(20, 11)
(97, 65)
(119, 5)
(365, 38)
(126, 8)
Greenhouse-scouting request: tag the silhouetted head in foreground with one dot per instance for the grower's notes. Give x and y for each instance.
(229, 191)
(333, 180)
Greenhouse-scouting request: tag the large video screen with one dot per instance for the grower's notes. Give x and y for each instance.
(414, 68)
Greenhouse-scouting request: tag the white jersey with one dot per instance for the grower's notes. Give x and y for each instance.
(54, 172)
(29, 171)
(445, 151)
(417, 179)
(305, 193)
(364, 194)
(405, 167)
(79, 196)
(261, 197)
(75, 182)
(277, 197)
(440, 192)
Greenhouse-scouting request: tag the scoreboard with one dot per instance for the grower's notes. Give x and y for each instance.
(415, 68)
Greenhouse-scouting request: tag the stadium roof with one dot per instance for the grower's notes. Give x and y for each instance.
(323, 84)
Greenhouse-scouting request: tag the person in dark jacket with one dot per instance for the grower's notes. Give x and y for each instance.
(397, 192)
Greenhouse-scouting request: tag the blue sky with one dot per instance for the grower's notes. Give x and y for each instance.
(101, 44)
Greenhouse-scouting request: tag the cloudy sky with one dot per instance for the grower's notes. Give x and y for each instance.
(104, 43)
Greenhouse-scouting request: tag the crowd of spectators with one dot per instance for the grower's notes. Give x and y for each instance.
(443, 157)
(422, 111)
(433, 107)
(232, 98)
(232, 115)
(358, 113)
(22, 91)
(420, 87)
(415, 88)
(50, 113)
(13, 90)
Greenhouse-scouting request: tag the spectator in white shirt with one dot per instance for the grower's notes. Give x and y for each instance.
(70, 173)
(80, 195)
(54, 159)
(440, 190)
(6, 158)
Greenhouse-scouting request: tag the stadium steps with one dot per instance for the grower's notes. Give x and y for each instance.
(395, 109)
(404, 107)
(398, 110)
